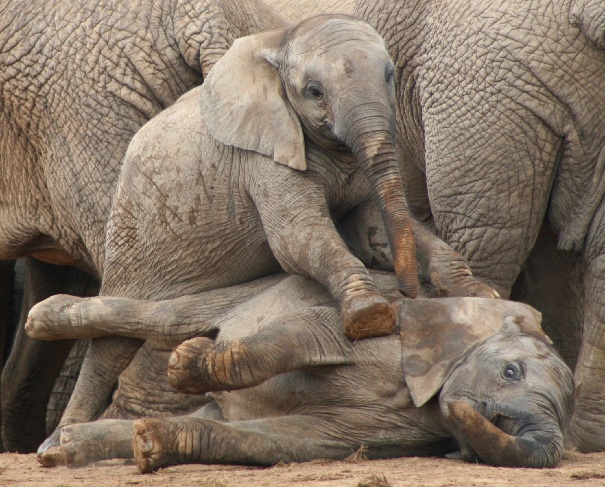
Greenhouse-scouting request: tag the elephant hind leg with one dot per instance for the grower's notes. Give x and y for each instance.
(286, 344)
(170, 441)
(587, 429)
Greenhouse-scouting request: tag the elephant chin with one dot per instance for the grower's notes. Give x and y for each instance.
(535, 449)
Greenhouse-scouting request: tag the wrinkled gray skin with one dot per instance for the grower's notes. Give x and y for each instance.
(299, 390)
(77, 80)
(501, 106)
(447, 271)
(193, 213)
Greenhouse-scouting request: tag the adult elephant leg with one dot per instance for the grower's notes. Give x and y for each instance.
(489, 185)
(551, 281)
(7, 280)
(170, 441)
(33, 365)
(587, 429)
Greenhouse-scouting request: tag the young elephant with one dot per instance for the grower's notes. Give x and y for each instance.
(285, 135)
(473, 372)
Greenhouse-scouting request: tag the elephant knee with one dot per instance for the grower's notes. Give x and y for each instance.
(589, 16)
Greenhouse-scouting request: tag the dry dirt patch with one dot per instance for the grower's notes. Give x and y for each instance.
(576, 470)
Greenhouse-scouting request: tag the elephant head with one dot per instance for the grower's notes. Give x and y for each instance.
(328, 82)
(505, 394)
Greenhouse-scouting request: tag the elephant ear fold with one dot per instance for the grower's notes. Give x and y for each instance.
(437, 333)
(244, 104)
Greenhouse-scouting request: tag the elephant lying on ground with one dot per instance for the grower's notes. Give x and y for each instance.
(501, 106)
(473, 374)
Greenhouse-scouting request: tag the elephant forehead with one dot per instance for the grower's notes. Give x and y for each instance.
(336, 35)
(358, 63)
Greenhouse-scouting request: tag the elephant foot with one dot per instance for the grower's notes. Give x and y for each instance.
(78, 448)
(49, 453)
(366, 316)
(586, 432)
(150, 445)
(456, 280)
(51, 318)
(184, 366)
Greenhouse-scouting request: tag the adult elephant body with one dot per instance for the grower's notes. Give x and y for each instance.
(77, 80)
(502, 113)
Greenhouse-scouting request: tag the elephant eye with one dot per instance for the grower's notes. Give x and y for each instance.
(512, 372)
(313, 90)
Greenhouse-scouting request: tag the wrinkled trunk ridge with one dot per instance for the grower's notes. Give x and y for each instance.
(370, 138)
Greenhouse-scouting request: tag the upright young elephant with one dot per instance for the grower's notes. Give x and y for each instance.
(291, 129)
(472, 374)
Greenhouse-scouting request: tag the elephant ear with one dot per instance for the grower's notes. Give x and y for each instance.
(437, 333)
(244, 104)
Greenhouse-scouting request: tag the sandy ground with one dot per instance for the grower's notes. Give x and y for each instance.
(575, 470)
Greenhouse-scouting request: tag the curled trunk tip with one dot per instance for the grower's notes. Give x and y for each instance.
(541, 449)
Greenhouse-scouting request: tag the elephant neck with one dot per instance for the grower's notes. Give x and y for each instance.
(329, 158)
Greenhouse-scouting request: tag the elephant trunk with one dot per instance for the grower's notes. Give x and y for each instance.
(536, 448)
(370, 138)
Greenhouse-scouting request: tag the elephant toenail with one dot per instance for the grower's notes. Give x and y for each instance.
(174, 359)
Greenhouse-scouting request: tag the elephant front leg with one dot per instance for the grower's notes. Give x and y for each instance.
(317, 251)
(305, 241)
(171, 441)
(440, 265)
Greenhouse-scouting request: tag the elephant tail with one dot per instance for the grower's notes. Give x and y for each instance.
(589, 16)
